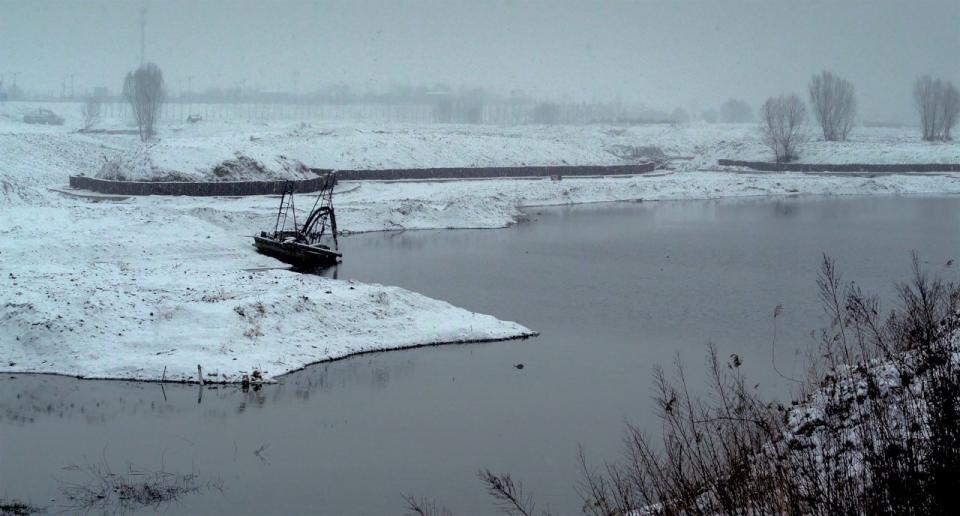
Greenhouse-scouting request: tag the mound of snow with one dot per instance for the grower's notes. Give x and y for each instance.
(230, 324)
(244, 168)
(32, 162)
(166, 163)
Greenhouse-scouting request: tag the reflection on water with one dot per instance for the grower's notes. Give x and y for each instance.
(785, 208)
(31, 398)
(613, 289)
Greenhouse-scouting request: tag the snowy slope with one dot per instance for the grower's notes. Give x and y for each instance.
(367, 146)
(128, 291)
(194, 149)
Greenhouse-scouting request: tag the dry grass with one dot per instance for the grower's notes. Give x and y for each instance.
(102, 489)
(18, 508)
(874, 430)
(877, 431)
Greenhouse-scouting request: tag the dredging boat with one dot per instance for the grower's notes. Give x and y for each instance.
(310, 245)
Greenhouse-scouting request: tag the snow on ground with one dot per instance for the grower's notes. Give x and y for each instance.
(377, 206)
(163, 162)
(188, 148)
(118, 291)
(370, 146)
(125, 289)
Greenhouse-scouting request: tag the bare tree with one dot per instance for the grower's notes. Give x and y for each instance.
(781, 126)
(926, 91)
(938, 104)
(145, 91)
(509, 494)
(950, 108)
(834, 105)
(91, 109)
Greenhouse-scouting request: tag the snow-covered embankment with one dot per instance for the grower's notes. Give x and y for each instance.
(272, 321)
(136, 291)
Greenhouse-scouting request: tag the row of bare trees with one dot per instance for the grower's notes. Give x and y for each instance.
(834, 103)
(938, 104)
(783, 118)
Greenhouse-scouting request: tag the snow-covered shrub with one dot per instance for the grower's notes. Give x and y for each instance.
(158, 162)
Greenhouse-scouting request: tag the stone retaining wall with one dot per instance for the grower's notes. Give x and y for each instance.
(846, 167)
(239, 188)
(198, 189)
(492, 172)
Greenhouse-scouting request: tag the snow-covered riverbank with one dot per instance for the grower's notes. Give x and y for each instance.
(192, 150)
(129, 291)
(379, 206)
(128, 288)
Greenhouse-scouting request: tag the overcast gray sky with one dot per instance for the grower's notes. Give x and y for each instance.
(691, 54)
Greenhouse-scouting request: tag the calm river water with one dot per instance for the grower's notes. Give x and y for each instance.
(614, 290)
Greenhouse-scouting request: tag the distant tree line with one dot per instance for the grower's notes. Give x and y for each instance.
(782, 118)
(732, 111)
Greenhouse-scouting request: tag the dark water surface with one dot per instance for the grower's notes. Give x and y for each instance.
(613, 289)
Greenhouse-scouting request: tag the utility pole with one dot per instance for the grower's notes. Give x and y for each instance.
(143, 27)
(71, 83)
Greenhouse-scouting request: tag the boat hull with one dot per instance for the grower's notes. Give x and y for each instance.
(295, 253)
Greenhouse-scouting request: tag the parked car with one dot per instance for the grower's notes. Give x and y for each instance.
(43, 116)
(194, 119)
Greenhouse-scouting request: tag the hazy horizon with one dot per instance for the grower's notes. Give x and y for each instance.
(689, 54)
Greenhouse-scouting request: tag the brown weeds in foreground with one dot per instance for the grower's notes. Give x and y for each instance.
(874, 430)
(877, 431)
